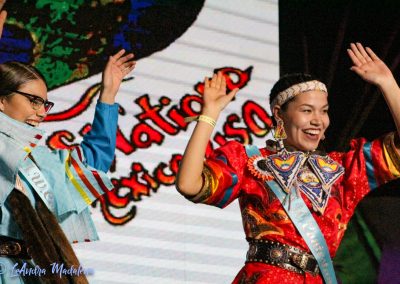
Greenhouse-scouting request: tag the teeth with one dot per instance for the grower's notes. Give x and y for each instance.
(32, 123)
(312, 132)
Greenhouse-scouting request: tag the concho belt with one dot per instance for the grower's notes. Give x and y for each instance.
(281, 255)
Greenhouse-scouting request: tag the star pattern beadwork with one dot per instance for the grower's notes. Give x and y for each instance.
(285, 166)
(311, 186)
(327, 170)
(290, 169)
(258, 167)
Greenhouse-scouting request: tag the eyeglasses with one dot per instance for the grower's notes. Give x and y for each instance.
(36, 101)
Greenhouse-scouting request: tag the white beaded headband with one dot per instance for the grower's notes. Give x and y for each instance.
(294, 90)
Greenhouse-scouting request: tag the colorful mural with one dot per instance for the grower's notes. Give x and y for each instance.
(71, 40)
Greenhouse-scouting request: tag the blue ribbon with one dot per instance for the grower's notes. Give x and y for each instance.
(306, 225)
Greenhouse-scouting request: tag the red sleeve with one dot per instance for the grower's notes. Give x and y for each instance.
(367, 166)
(223, 175)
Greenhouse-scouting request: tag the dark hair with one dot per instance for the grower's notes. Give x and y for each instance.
(285, 82)
(14, 74)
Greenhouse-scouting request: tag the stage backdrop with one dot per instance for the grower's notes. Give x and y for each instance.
(149, 233)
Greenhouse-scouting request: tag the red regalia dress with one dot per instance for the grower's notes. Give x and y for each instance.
(227, 176)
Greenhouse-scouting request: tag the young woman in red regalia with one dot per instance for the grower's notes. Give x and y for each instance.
(295, 200)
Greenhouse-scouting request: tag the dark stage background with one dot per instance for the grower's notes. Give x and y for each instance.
(314, 36)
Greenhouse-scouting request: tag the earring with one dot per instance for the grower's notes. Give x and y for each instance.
(280, 133)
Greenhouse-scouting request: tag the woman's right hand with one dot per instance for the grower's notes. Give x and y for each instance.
(215, 98)
(3, 16)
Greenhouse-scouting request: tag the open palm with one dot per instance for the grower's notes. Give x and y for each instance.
(215, 97)
(118, 66)
(368, 65)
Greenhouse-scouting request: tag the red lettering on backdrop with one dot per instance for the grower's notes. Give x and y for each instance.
(186, 104)
(60, 140)
(252, 110)
(123, 144)
(112, 199)
(153, 113)
(82, 105)
(154, 123)
(109, 216)
(235, 78)
(85, 129)
(144, 135)
(220, 139)
(178, 117)
(240, 133)
(164, 178)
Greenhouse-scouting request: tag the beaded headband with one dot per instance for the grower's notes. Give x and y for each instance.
(294, 90)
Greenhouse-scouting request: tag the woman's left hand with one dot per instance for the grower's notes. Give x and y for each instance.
(368, 65)
(118, 66)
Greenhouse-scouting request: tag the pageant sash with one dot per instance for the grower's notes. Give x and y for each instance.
(305, 224)
(39, 183)
(309, 230)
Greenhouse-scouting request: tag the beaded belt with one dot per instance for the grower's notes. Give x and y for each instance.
(14, 248)
(284, 256)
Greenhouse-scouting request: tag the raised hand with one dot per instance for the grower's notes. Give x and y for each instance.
(368, 65)
(3, 16)
(215, 98)
(118, 66)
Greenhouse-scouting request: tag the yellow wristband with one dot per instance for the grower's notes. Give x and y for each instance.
(203, 118)
(207, 119)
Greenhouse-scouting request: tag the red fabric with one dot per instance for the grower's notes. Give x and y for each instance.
(264, 217)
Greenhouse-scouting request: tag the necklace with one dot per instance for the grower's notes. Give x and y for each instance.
(310, 173)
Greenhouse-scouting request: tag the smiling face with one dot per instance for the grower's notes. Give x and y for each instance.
(20, 108)
(305, 119)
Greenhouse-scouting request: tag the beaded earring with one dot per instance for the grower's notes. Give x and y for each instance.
(280, 133)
